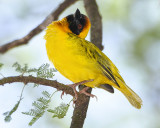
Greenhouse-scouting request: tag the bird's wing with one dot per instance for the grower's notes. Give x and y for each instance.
(103, 62)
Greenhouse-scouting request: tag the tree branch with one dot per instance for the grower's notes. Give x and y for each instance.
(36, 80)
(53, 16)
(81, 108)
(45, 82)
(96, 22)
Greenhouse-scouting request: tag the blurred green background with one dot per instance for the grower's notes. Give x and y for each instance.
(131, 39)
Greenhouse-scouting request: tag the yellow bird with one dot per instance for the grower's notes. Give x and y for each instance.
(80, 60)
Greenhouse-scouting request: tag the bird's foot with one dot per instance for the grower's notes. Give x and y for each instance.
(83, 91)
(73, 86)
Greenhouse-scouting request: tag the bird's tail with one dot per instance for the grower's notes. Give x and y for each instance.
(132, 97)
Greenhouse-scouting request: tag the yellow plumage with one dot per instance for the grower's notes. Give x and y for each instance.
(78, 59)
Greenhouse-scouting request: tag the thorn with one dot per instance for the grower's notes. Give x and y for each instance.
(62, 95)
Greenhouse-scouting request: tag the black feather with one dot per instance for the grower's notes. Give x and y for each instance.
(75, 20)
(107, 87)
(77, 14)
(109, 73)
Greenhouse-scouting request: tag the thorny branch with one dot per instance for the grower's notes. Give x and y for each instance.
(53, 16)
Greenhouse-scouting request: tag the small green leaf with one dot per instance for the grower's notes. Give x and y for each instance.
(59, 111)
(46, 94)
(9, 113)
(42, 100)
(45, 72)
(35, 85)
(8, 118)
(40, 107)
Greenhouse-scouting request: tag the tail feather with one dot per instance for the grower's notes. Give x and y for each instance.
(132, 97)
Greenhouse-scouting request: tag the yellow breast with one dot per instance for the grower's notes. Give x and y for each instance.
(67, 56)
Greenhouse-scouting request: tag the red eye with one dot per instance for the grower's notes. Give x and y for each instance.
(79, 26)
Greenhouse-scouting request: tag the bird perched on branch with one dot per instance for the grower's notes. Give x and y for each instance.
(80, 60)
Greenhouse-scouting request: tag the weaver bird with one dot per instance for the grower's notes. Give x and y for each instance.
(80, 60)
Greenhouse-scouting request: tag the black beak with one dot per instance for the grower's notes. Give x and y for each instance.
(77, 14)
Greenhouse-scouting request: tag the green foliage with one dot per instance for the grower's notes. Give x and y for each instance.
(1, 65)
(44, 71)
(42, 104)
(115, 9)
(40, 107)
(23, 69)
(145, 41)
(9, 113)
(59, 111)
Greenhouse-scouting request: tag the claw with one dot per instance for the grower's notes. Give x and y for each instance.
(83, 91)
(73, 86)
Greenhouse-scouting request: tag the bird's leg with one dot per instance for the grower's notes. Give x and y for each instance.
(86, 93)
(73, 86)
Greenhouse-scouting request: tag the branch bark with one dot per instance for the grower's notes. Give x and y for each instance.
(36, 80)
(96, 22)
(53, 16)
(81, 108)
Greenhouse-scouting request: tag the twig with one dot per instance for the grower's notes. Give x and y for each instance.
(53, 16)
(81, 108)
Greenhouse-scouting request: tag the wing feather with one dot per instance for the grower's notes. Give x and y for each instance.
(103, 62)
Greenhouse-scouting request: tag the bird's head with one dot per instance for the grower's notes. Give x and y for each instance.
(76, 23)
